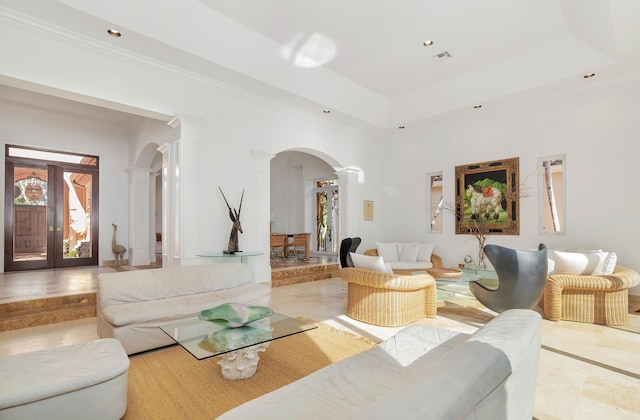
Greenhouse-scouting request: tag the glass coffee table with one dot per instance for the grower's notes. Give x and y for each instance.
(238, 347)
(456, 286)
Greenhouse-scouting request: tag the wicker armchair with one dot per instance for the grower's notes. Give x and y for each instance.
(435, 260)
(387, 299)
(596, 299)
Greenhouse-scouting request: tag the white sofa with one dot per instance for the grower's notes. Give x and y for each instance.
(406, 257)
(77, 381)
(132, 304)
(422, 372)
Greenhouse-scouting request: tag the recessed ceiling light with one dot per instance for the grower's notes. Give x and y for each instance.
(477, 106)
(427, 43)
(589, 75)
(114, 33)
(326, 111)
(401, 127)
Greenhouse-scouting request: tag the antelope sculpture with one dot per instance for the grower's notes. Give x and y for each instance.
(235, 218)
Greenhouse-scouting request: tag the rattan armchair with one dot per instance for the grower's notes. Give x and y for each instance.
(600, 299)
(389, 300)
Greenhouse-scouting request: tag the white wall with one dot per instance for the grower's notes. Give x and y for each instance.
(49, 130)
(234, 126)
(598, 130)
(238, 129)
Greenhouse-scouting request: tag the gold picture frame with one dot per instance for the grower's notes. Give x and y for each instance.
(487, 197)
(367, 212)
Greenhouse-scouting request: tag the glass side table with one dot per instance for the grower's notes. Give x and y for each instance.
(244, 256)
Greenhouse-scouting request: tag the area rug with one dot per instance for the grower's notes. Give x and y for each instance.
(170, 383)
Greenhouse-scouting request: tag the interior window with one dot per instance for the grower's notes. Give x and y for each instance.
(551, 181)
(434, 198)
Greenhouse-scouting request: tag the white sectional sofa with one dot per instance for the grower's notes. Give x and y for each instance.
(132, 304)
(77, 381)
(406, 258)
(422, 372)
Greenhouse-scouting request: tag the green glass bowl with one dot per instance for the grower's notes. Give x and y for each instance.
(235, 315)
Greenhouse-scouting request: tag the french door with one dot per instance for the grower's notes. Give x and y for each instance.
(51, 218)
(327, 214)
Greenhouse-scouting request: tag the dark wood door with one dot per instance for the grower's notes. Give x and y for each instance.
(30, 233)
(51, 217)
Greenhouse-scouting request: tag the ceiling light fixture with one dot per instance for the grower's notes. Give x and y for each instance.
(326, 111)
(427, 43)
(401, 127)
(114, 33)
(477, 106)
(588, 76)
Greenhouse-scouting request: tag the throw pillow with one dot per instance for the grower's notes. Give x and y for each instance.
(368, 262)
(409, 252)
(388, 268)
(388, 251)
(425, 252)
(608, 265)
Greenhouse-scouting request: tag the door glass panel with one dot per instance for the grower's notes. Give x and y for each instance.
(327, 216)
(30, 213)
(76, 241)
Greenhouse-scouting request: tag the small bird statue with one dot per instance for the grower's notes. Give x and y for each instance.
(118, 250)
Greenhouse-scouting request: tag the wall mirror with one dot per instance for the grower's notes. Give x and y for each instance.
(434, 202)
(551, 194)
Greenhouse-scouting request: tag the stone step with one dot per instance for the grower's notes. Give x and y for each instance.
(287, 276)
(50, 310)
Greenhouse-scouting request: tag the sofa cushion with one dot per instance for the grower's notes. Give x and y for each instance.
(424, 254)
(409, 252)
(178, 307)
(388, 251)
(139, 285)
(584, 263)
(406, 265)
(368, 262)
(38, 375)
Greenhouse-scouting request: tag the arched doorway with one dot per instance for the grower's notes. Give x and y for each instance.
(305, 198)
(147, 207)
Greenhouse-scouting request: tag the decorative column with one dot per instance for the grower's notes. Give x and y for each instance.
(139, 202)
(262, 213)
(349, 209)
(167, 204)
(185, 197)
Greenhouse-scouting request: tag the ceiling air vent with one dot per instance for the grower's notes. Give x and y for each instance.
(444, 55)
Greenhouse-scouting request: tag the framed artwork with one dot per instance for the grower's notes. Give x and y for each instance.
(487, 197)
(368, 210)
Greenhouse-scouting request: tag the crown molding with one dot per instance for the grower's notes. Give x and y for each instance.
(41, 28)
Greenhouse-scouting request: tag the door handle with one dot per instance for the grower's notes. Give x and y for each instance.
(58, 229)
(50, 228)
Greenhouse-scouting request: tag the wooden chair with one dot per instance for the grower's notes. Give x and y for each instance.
(299, 240)
(278, 245)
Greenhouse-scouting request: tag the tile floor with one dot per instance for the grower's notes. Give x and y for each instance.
(586, 371)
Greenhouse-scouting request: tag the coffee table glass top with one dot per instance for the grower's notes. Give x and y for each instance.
(205, 339)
